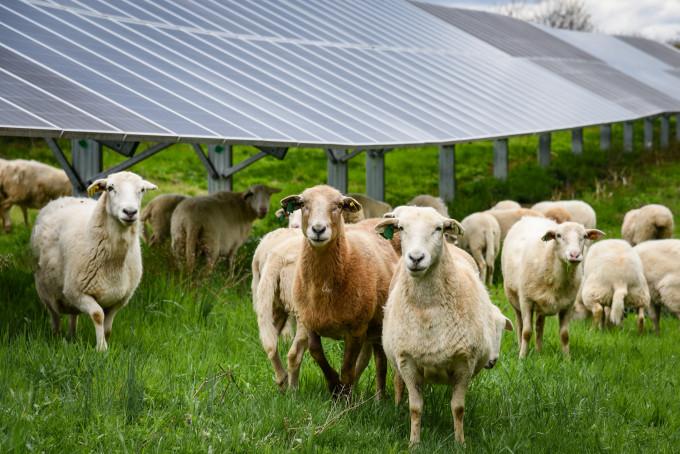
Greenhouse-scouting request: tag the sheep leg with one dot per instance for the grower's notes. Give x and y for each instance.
(412, 379)
(479, 259)
(518, 323)
(110, 314)
(641, 320)
(72, 325)
(607, 317)
(24, 212)
(540, 323)
(490, 269)
(6, 219)
(363, 359)
(316, 350)
(398, 387)
(56, 320)
(655, 315)
(598, 319)
(527, 309)
(295, 354)
(380, 369)
(460, 387)
(88, 305)
(564, 331)
(353, 345)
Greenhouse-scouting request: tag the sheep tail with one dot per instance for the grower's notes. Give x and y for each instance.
(490, 253)
(191, 246)
(146, 214)
(617, 304)
(263, 302)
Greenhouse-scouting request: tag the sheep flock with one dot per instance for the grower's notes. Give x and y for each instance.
(405, 285)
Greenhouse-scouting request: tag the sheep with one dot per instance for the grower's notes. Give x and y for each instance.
(613, 275)
(88, 254)
(341, 283)
(579, 211)
(650, 222)
(294, 218)
(370, 208)
(440, 325)
(541, 263)
(507, 218)
(217, 224)
(425, 200)
(557, 214)
(506, 205)
(158, 213)
(482, 239)
(29, 184)
(660, 259)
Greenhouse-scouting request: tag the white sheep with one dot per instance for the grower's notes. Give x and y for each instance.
(158, 213)
(29, 184)
(370, 208)
(650, 222)
(440, 325)
(294, 218)
(506, 205)
(482, 239)
(425, 200)
(613, 277)
(88, 255)
(542, 273)
(579, 211)
(507, 218)
(660, 259)
(217, 224)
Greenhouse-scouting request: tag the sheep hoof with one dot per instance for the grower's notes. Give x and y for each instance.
(282, 383)
(491, 363)
(341, 390)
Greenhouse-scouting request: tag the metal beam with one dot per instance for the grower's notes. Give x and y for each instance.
(605, 137)
(337, 169)
(152, 150)
(500, 159)
(665, 138)
(577, 141)
(649, 133)
(544, 146)
(628, 136)
(375, 174)
(207, 163)
(221, 158)
(86, 156)
(78, 185)
(447, 172)
(125, 148)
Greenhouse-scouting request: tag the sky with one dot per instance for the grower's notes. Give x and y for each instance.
(655, 19)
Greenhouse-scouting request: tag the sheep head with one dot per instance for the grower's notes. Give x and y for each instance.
(570, 239)
(421, 231)
(257, 197)
(322, 209)
(123, 195)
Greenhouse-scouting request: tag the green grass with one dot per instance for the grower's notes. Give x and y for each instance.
(185, 371)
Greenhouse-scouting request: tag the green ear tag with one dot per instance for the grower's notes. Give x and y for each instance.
(388, 233)
(281, 217)
(290, 206)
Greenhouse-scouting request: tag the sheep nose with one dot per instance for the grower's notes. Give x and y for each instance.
(130, 212)
(416, 257)
(318, 229)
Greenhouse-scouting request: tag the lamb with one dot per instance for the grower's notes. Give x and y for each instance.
(660, 260)
(613, 276)
(440, 325)
(158, 213)
(579, 211)
(482, 239)
(506, 205)
(507, 218)
(217, 224)
(370, 208)
(425, 200)
(650, 222)
(341, 283)
(88, 254)
(29, 184)
(542, 273)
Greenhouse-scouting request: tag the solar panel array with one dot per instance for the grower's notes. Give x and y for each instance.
(355, 73)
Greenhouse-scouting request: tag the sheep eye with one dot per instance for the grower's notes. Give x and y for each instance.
(558, 236)
(438, 229)
(109, 188)
(585, 237)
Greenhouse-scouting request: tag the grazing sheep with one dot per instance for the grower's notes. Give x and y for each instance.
(507, 218)
(425, 200)
(613, 276)
(557, 214)
(29, 184)
(650, 222)
(370, 208)
(482, 239)
(579, 211)
(158, 213)
(660, 259)
(88, 255)
(506, 205)
(217, 224)
(440, 325)
(341, 283)
(542, 272)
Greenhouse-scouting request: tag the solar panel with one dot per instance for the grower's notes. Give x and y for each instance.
(663, 52)
(354, 73)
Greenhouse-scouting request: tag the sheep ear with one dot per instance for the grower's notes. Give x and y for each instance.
(281, 214)
(248, 193)
(594, 234)
(508, 325)
(147, 186)
(389, 215)
(386, 228)
(272, 190)
(549, 235)
(292, 203)
(453, 239)
(96, 186)
(453, 227)
(351, 205)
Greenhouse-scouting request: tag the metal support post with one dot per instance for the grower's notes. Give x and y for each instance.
(544, 146)
(336, 165)
(649, 133)
(628, 136)
(447, 172)
(87, 161)
(221, 158)
(375, 174)
(605, 137)
(665, 132)
(577, 141)
(500, 159)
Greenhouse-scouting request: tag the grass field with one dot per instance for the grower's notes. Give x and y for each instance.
(185, 371)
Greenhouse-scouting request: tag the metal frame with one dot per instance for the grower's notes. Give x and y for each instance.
(628, 136)
(577, 141)
(336, 167)
(544, 148)
(665, 132)
(447, 172)
(375, 173)
(500, 159)
(605, 137)
(649, 133)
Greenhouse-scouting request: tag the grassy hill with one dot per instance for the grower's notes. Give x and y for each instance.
(185, 370)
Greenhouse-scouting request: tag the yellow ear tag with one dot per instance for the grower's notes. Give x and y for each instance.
(388, 232)
(91, 191)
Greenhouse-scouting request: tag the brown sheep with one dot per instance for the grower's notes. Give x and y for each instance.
(341, 283)
(158, 214)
